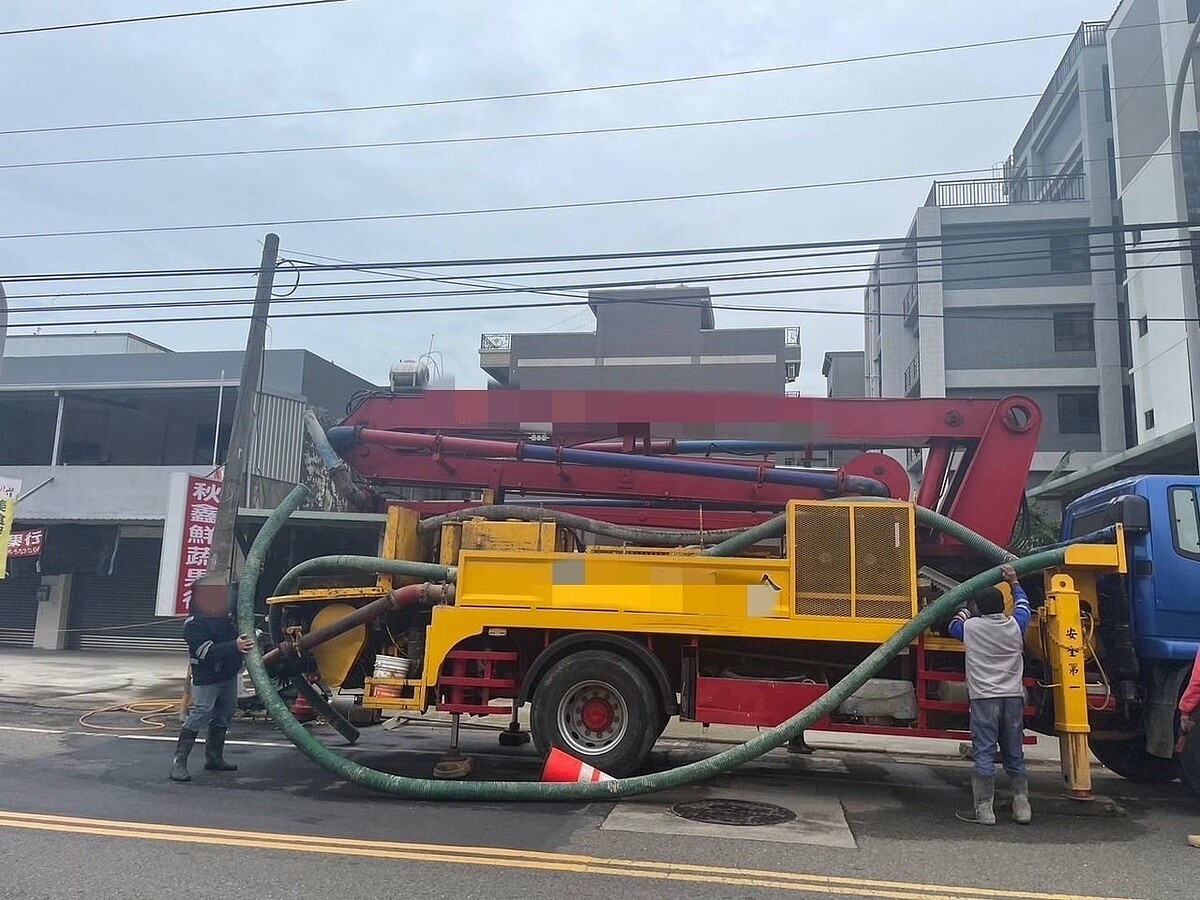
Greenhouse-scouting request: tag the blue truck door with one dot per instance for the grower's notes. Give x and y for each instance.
(1177, 566)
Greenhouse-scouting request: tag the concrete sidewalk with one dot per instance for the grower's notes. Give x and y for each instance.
(94, 679)
(88, 679)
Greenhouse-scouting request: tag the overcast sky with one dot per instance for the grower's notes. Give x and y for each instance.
(366, 52)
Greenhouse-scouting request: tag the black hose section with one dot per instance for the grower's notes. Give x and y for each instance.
(631, 534)
(418, 788)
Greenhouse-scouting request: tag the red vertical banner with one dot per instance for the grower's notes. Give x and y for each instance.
(199, 520)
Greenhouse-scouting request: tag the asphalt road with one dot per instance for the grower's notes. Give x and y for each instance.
(91, 814)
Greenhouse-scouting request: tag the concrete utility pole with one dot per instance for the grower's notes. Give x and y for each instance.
(233, 489)
(1191, 309)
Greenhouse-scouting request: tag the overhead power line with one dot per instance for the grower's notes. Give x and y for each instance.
(483, 288)
(529, 135)
(496, 138)
(577, 300)
(536, 207)
(554, 92)
(42, 29)
(862, 245)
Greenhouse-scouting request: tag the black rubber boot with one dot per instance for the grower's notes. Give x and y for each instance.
(214, 751)
(983, 792)
(183, 747)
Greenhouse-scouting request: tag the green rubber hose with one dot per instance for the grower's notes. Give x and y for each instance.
(368, 564)
(430, 789)
(777, 526)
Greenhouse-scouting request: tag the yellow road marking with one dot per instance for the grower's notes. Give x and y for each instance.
(516, 859)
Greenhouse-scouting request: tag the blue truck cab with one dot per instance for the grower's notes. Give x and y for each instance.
(1147, 630)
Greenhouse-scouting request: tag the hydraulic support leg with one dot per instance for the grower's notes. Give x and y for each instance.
(1064, 628)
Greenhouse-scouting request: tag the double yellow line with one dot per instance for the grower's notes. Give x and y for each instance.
(494, 857)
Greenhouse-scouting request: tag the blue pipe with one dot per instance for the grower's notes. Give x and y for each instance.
(344, 438)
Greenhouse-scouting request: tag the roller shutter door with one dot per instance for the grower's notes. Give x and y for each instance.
(18, 609)
(111, 612)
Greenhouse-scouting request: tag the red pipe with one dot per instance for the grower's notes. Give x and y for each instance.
(409, 595)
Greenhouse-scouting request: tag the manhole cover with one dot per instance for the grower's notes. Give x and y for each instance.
(733, 812)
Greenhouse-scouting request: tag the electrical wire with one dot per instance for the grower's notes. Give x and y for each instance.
(159, 18)
(459, 308)
(867, 244)
(694, 279)
(576, 299)
(536, 207)
(556, 92)
(499, 138)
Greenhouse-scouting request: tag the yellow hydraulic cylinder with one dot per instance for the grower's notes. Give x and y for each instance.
(1063, 623)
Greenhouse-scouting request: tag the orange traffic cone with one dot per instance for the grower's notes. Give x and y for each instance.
(302, 709)
(564, 767)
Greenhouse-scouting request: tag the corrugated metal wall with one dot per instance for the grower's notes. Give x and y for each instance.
(278, 440)
(116, 612)
(18, 609)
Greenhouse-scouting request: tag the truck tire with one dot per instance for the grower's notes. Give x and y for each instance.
(598, 707)
(1130, 760)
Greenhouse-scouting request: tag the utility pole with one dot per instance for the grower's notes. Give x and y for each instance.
(220, 562)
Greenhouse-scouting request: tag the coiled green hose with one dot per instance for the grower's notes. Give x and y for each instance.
(419, 788)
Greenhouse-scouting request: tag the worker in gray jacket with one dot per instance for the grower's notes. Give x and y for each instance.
(995, 651)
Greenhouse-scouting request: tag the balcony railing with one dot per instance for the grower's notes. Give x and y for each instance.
(1090, 34)
(1000, 192)
(791, 336)
(911, 305)
(495, 343)
(912, 375)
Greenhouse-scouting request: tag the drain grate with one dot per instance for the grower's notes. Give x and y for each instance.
(733, 812)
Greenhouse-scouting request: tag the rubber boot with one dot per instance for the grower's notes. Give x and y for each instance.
(1022, 811)
(984, 792)
(214, 751)
(183, 747)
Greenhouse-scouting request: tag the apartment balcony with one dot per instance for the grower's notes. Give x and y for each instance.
(1003, 192)
(912, 307)
(1090, 34)
(912, 377)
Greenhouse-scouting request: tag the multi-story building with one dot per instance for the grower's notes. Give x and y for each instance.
(843, 371)
(94, 427)
(653, 339)
(1146, 42)
(1007, 285)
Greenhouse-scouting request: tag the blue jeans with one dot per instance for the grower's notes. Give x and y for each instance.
(998, 720)
(212, 704)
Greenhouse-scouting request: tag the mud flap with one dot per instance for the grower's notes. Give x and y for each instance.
(1160, 711)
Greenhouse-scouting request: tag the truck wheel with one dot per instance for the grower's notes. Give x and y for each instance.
(598, 707)
(1130, 760)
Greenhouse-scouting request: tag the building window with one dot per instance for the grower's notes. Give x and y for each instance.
(1069, 253)
(1073, 331)
(1143, 326)
(1149, 417)
(1185, 521)
(1078, 414)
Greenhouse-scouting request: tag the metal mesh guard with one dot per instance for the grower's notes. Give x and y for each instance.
(880, 539)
